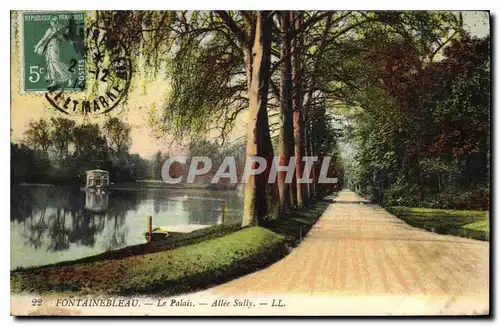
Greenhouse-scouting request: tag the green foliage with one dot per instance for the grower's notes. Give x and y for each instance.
(423, 138)
(38, 135)
(208, 86)
(450, 198)
(59, 152)
(117, 134)
(62, 135)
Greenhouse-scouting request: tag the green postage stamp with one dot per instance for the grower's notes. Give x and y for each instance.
(54, 51)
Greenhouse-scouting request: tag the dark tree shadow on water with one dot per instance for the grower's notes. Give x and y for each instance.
(56, 217)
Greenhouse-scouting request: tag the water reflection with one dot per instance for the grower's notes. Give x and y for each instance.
(51, 224)
(96, 202)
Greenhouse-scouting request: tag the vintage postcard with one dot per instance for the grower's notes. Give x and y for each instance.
(250, 163)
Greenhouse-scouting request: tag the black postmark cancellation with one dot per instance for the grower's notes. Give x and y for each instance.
(107, 80)
(65, 103)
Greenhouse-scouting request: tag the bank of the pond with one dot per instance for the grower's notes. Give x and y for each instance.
(173, 270)
(464, 223)
(160, 184)
(140, 185)
(169, 243)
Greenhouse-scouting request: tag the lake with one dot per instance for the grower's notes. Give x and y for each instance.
(50, 224)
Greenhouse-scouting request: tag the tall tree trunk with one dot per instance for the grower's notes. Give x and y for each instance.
(317, 169)
(255, 189)
(269, 198)
(307, 152)
(311, 189)
(298, 120)
(298, 126)
(287, 193)
(314, 171)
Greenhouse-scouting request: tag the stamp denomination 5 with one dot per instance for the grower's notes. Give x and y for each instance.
(81, 67)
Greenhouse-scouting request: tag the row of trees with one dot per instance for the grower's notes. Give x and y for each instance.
(58, 135)
(286, 69)
(424, 134)
(203, 148)
(60, 151)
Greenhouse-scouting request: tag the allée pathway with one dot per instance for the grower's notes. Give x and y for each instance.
(360, 260)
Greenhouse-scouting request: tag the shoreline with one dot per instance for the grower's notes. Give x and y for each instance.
(170, 243)
(177, 268)
(138, 185)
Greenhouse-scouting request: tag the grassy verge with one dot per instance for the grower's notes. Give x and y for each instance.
(464, 223)
(295, 225)
(166, 272)
(152, 247)
(173, 270)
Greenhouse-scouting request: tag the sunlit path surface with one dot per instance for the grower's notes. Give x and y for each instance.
(359, 259)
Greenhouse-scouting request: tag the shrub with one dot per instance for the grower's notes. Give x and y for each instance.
(452, 198)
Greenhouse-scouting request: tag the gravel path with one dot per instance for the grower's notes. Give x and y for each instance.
(360, 250)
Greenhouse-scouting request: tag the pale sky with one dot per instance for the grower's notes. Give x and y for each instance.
(32, 106)
(477, 23)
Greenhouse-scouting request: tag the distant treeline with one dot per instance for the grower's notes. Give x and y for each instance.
(58, 151)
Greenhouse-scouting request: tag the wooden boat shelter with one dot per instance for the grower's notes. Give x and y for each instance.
(97, 179)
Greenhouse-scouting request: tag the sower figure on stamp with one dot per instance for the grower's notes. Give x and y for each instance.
(57, 72)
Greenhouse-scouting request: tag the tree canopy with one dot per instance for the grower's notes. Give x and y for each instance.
(408, 90)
